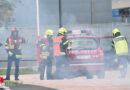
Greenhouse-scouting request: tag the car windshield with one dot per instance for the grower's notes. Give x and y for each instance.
(83, 43)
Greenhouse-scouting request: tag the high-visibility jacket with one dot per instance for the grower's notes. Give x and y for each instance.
(121, 45)
(64, 45)
(56, 45)
(13, 44)
(45, 48)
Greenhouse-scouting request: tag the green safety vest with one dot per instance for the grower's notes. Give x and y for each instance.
(121, 46)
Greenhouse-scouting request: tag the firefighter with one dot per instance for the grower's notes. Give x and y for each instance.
(60, 46)
(13, 48)
(121, 49)
(46, 54)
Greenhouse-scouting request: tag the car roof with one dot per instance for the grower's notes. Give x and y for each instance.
(69, 37)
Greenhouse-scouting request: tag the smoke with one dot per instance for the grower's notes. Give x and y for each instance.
(25, 20)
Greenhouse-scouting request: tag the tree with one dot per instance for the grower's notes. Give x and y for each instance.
(6, 11)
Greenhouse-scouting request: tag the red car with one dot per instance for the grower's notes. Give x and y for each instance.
(85, 55)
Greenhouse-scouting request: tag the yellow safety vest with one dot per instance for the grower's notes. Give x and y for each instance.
(121, 46)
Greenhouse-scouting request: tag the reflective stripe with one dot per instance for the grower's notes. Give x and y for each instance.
(69, 44)
(7, 47)
(10, 53)
(65, 42)
(42, 45)
(62, 53)
(83, 64)
(44, 55)
(18, 56)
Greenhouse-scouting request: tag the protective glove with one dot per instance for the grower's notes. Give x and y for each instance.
(10, 53)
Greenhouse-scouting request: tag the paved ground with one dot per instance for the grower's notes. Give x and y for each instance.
(111, 82)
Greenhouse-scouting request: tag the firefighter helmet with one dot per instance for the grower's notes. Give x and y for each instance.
(115, 31)
(13, 29)
(49, 32)
(62, 31)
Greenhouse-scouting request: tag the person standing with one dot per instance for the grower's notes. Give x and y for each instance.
(13, 48)
(121, 48)
(46, 54)
(60, 46)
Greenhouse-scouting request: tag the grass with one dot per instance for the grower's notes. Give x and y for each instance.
(21, 72)
(12, 82)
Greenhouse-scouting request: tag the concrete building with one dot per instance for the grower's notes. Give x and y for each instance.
(73, 12)
(121, 10)
(120, 4)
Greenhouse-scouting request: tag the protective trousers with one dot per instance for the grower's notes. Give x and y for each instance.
(10, 60)
(46, 63)
(62, 67)
(122, 65)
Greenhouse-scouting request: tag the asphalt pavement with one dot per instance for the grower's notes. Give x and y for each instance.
(29, 87)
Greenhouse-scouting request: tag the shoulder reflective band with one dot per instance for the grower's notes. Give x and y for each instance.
(119, 39)
(65, 42)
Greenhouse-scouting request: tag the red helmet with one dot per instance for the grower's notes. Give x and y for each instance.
(13, 29)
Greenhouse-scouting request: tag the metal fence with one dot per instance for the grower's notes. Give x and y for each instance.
(30, 34)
